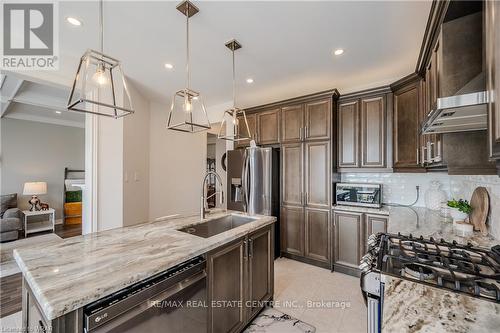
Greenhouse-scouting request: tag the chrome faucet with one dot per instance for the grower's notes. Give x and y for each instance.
(204, 206)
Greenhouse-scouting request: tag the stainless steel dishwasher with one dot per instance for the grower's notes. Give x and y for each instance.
(170, 302)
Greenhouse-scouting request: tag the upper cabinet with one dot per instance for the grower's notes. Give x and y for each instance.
(292, 123)
(306, 121)
(406, 125)
(363, 136)
(268, 127)
(492, 40)
(318, 120)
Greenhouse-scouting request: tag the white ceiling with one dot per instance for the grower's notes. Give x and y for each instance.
(287, 46)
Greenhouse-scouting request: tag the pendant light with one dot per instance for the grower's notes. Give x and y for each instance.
(97, 82)
(230, 117)
(187, 111)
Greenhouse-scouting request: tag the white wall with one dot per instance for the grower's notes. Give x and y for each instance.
(136, 161)
(177, 165)
(400, 188)
(33, 151)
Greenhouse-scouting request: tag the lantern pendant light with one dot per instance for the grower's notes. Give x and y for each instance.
(187, 111)
(97, 85)
(234, 116)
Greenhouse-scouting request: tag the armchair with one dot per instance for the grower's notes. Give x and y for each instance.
(10, 218)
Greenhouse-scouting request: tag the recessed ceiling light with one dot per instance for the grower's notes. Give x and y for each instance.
(338, 52)
(249, 80)
(169, 66)
(74, 21)
(58, 112)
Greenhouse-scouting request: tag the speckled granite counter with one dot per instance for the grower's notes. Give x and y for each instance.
(69, 274)
(414, 307)
(420, 221)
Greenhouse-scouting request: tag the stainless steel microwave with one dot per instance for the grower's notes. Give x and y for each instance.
(366, 195)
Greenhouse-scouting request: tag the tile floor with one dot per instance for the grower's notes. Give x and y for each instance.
(296, 284)
(337, 306)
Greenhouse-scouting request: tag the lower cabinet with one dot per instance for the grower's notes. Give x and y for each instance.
(240, 280)
(305, 233)
(350, 234)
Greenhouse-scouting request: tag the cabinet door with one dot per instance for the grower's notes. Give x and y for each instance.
(252, 125)
(348, 238)
(492, 36)
(226, 279)
(292, 174)
(268, 127)
(318, 120)
(261, 263)
(373, 134)
(348, 134)
(292, 230)
(374, 224)
(317, 234)
(292, 123)
(406, 127)
(317, 170)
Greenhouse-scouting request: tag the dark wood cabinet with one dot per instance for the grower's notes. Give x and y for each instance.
(318, 120)
(348, 121)
(373, 141)
(317, 234)
(240, 280)
(348, 239)
(268, 127)
(252, 125)
(364, 143)
(408, 109)
(292, 161)
(260, 269)
(292, 123)
(227, 269)
(317, 174)
(374, 224)
(292, 230)
(492, 41)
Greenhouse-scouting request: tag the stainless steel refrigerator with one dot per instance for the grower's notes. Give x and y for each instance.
(253, 183)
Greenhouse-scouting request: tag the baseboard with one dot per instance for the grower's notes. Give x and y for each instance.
(347, 270)
(306, 260)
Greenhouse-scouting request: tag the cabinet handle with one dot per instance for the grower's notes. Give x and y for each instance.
(245, 250)
(250, 248)
(418, 155)
(300, 133)
(306, 132)
(423, 155)
(305, 198)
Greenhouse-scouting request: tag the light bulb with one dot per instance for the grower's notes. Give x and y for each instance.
(188, 106)
(100, 75)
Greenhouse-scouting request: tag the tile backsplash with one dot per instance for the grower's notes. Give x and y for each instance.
(401, 188)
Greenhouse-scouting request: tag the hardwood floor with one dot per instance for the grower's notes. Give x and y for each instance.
(11, 286)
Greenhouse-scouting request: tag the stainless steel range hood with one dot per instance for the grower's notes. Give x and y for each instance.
(462, 112)
(458, 113)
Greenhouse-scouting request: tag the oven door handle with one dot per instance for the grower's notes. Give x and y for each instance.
(156, 300)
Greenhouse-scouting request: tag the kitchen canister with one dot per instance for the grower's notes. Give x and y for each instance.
(434, 196)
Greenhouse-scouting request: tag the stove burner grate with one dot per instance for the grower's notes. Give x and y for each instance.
(419, 272)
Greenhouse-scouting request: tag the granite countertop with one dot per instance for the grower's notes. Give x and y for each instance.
(71, 273)
(420, 221)
(415, 307)
(384, 210)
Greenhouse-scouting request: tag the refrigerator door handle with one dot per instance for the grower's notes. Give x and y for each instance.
(244, 183)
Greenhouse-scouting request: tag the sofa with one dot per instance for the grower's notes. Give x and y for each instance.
(10, 218)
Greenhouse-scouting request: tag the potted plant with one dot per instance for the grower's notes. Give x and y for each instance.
(459, 209)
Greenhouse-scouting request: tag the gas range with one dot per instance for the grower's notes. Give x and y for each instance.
(460, 268)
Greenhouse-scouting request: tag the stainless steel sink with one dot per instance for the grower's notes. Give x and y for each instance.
(217, 226)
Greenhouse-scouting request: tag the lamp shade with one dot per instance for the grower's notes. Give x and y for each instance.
(35, 188)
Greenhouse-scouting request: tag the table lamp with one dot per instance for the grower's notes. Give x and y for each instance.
(34, 189)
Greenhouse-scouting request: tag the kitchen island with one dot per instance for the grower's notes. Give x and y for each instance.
(60, 278)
